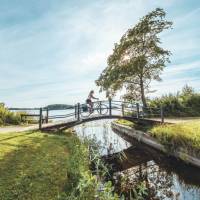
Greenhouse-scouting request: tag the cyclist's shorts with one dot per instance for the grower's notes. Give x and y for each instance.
(88, 101)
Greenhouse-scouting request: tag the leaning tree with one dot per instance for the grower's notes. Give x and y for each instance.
(138, 58)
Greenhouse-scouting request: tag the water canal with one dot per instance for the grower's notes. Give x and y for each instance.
(166, 178)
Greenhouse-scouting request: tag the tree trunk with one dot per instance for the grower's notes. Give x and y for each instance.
(143, 98)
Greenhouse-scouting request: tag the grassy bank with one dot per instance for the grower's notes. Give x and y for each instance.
(134, 125)
(184, 136)
(126, 123)
(35, 165)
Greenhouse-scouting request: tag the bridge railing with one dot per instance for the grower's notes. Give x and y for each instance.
(82, 111)
(119, 108)
(27, 114)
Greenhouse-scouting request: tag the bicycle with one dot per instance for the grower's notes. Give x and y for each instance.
(101, 109)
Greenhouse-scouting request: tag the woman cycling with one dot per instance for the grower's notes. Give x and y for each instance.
(89, 100)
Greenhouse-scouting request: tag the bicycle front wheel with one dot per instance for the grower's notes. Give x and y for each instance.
(102, 109)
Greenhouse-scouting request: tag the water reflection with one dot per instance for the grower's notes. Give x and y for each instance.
(160, 183)
(101, 131)
(165, 178)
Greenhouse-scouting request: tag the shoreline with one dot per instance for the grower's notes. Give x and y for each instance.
(145, 138)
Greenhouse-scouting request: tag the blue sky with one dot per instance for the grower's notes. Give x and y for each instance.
(52, 51)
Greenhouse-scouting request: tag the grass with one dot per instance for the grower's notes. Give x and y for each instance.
(125, 122)
(184, 136)
(136, 125)
(39, 166)
(34, 165)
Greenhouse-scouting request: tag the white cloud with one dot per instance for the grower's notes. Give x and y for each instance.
(181, 68)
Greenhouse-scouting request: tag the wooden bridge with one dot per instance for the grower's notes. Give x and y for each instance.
(60, 119)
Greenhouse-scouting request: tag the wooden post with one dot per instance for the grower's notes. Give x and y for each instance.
(21, 116)
(132, 113)
(78, 111)
(40, 119)
(75, 111)
(110, 107)
(162, 114)
(100, 108)
(138, 110)
(143, 110)
(47, 115)
(122, 109)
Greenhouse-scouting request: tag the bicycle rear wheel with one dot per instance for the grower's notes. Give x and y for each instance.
(85, 112)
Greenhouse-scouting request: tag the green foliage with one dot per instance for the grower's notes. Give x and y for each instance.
(84, 185)
(89, 188)
(140, 191)
(138, 58)
(183, 104)
(187, 91)
(8, 117)
(133, 93)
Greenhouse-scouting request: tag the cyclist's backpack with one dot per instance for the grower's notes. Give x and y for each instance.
(84, 108)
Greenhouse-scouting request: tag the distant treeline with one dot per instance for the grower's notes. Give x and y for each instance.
(59, 106)
(185, 103)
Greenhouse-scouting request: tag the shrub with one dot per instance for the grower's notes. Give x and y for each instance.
(8, 117)
(182, 104)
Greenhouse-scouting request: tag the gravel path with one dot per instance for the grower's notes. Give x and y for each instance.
(178, 120)
(14, 129)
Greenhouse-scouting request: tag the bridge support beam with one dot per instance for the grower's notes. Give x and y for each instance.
(100, 108)
(110, 107)
(47, 115)
(78, 111)
(75, 111)
(123, 110)
(138, 110)
(162, 114)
